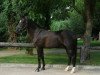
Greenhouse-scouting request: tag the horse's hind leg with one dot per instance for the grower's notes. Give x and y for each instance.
(74, 54)
(73, 61)
(69, 59)
(68, 66)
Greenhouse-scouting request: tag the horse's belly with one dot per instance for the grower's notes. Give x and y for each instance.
(48, 41)
(52, 43)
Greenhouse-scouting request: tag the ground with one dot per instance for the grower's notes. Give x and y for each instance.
(29, 69)
(9, 52)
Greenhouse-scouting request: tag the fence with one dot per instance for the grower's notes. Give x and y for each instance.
(8, 44)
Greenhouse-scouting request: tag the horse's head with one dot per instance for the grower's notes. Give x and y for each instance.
(23, 23)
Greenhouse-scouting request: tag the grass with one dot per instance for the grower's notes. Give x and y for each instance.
(95, 58)
(2, 48)
(18, 59)
(93, 43)
(50, 59)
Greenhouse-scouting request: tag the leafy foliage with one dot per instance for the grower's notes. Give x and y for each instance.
(56, 14)
(77, 23)
(96, 27)
(3, 27)
(60, 25)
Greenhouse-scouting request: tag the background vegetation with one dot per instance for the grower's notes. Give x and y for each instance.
(49, 14)
(80, 16)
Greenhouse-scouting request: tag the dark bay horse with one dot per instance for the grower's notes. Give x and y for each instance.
(48, 39)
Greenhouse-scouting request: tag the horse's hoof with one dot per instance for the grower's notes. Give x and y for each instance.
(73, 70)
(67, 68)
(37, 70)
(42, 68)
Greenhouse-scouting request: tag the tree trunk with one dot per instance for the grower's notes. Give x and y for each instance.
(85, 52)
(11, 24)
(11, 28)
(11, 32)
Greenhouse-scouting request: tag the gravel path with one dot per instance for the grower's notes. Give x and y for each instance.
(29, 69)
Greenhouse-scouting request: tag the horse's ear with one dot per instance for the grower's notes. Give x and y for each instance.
(23, 15)
(26, 17)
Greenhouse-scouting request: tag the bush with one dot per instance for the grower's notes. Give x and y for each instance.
(77, 23)
(59, 25)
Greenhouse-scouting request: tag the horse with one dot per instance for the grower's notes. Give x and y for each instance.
(49, 39)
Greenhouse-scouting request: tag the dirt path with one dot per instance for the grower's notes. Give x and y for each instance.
(29, 69)
(10, 52)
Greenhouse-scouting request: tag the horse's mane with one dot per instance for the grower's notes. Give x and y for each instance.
(32, 23)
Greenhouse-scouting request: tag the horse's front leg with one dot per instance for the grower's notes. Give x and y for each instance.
(42, 57)
(39, 60)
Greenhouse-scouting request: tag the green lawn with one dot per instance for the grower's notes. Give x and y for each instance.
(50, 59)
(93, 43)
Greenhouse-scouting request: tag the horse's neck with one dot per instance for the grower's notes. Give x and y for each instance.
(30, 32)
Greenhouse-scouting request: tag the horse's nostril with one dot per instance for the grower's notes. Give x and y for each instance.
(17, 31)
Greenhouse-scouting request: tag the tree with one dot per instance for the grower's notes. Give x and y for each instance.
(48, 8)
(96, 20)
(88, 19)
(7, 5)
(86, 9)
(87, 15)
